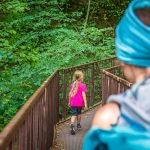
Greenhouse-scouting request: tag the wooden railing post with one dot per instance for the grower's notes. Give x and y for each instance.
(92, 86)
(113, 84)
(32, 128)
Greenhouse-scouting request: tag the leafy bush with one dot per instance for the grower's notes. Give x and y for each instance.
(37, 39)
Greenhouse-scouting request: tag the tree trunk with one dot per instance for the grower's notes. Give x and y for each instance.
(87, 15)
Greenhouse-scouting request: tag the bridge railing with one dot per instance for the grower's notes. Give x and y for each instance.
(113, 82)
(92, 78)
(32, 128)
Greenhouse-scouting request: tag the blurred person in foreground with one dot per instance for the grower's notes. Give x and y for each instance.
(124, 122)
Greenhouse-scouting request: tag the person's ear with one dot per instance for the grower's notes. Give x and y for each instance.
(148, 70)
(122, 64)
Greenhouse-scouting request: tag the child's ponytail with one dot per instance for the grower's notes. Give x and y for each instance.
(74, 88)
(77, 77)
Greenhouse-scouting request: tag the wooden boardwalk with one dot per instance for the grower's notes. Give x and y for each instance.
(65, 141)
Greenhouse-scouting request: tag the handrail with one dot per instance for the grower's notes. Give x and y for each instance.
(86, 64)
(18, 119)
(112, 83)
(116, 77)
(36, 119)
(92, 78)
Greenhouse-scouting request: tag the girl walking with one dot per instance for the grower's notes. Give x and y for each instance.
(77, 99)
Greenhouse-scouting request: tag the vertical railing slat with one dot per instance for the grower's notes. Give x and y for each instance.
(113, 84)
(92, 86)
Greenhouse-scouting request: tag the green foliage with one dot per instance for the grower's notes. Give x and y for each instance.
(14, 7)
(36, 39)
(102, 12)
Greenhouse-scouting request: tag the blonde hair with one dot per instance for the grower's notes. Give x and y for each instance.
(77, 77)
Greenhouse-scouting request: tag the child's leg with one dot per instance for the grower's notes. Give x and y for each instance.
(73, 114)
(73, 119)
(78, 119)
(78, 122)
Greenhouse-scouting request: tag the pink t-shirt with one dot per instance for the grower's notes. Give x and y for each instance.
(77, 99)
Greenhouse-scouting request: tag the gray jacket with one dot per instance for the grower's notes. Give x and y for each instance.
(135, 104)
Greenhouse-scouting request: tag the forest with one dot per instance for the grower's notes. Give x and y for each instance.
(37, 37)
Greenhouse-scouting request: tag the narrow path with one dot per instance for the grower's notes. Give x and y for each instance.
(65, 141)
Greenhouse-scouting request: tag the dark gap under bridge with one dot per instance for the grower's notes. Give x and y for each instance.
(34, 125)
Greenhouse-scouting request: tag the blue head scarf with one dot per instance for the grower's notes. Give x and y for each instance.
(117, 138)
(133, 37)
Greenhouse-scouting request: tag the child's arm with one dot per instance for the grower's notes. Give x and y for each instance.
(69, 100)
(85, 101)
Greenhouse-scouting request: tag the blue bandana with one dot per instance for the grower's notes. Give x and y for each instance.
(133, 37)
(117, 138)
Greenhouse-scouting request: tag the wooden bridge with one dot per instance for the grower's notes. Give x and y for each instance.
(42, 123)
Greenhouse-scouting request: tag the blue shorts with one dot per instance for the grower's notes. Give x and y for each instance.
(75, 111)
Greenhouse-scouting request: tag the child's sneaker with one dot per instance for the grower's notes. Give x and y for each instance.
(79, 126)
(72, 130)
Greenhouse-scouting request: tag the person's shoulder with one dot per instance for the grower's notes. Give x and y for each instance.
(83, 84)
